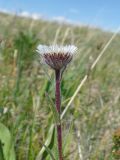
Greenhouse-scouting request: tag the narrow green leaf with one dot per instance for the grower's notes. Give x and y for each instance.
(49, 152)
(67, 137)
(53, 109)
(48, 142)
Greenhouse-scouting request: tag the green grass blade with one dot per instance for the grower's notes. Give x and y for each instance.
(49, 152)
(42, 154)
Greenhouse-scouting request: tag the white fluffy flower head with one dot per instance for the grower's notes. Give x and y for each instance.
(57, 57)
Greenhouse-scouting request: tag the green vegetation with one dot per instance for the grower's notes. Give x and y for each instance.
(25, 83)
(116, 146)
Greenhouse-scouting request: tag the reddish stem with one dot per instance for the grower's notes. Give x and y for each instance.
(58, 107)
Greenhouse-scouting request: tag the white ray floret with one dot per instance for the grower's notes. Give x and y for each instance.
(43, 49)
(57, 57)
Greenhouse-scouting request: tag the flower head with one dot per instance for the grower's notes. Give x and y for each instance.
(57, 57)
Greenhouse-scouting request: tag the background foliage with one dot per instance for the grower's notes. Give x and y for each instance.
(25, 108)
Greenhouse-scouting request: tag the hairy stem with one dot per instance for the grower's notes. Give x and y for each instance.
(58, 107)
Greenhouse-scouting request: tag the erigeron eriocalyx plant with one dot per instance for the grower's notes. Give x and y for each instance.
(57, 57)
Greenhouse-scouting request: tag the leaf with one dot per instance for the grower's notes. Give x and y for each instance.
(6, 148)
(1, 152)
(49, 152)
(67, 137)
(49, 142)
(53, 109)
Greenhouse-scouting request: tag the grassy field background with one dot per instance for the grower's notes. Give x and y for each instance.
(25, 84)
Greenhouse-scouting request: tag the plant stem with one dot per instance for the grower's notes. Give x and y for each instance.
(58, 107)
